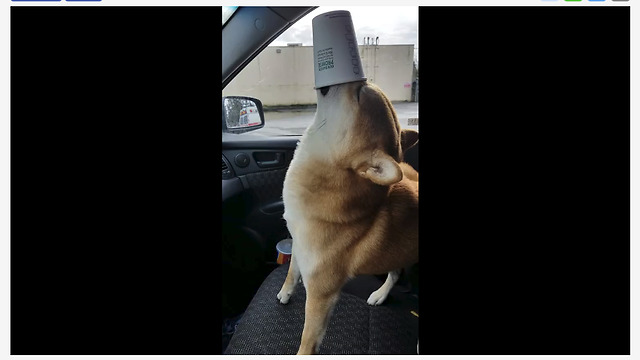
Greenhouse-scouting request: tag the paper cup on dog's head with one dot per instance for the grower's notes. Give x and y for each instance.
(335, 50)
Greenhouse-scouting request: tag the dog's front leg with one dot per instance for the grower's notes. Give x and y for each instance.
(293, 276)
(316, 318)
(322, 295)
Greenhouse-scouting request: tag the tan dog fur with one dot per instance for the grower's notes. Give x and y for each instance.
(351, 204)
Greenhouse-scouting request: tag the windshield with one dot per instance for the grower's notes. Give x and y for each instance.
(282, 75)
(227, 11)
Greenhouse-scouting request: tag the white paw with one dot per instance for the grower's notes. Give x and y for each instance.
(284, 296)
(377, 297)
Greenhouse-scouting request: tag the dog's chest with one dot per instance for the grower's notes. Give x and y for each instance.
(299, 207)
(323, 142)
(302, 249)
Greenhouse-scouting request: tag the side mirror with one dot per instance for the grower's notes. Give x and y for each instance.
(241, 114)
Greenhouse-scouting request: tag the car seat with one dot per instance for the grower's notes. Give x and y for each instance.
(355, 327)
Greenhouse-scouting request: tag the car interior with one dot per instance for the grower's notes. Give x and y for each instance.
(253, 172)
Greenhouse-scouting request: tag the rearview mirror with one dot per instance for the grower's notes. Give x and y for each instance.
(241, 114)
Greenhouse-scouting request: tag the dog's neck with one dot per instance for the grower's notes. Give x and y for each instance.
(331, 128)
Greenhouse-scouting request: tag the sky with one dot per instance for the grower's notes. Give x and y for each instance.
(392, 24)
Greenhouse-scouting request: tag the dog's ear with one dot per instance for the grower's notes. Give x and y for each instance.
(381, 168)
(408, 138)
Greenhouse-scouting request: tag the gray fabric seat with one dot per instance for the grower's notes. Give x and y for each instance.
(268, 327)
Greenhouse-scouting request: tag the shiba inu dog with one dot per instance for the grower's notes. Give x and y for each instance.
(351, 204)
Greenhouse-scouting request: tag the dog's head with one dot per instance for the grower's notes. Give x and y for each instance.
(358, 121)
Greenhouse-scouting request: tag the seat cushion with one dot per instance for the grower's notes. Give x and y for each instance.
(268, 327)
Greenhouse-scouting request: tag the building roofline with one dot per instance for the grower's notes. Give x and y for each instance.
(309, 46)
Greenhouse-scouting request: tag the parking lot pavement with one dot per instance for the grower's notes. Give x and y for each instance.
(294, 122)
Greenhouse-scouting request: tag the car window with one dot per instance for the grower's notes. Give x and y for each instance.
(282, 75)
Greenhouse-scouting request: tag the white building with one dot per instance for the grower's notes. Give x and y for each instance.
(283, 75)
